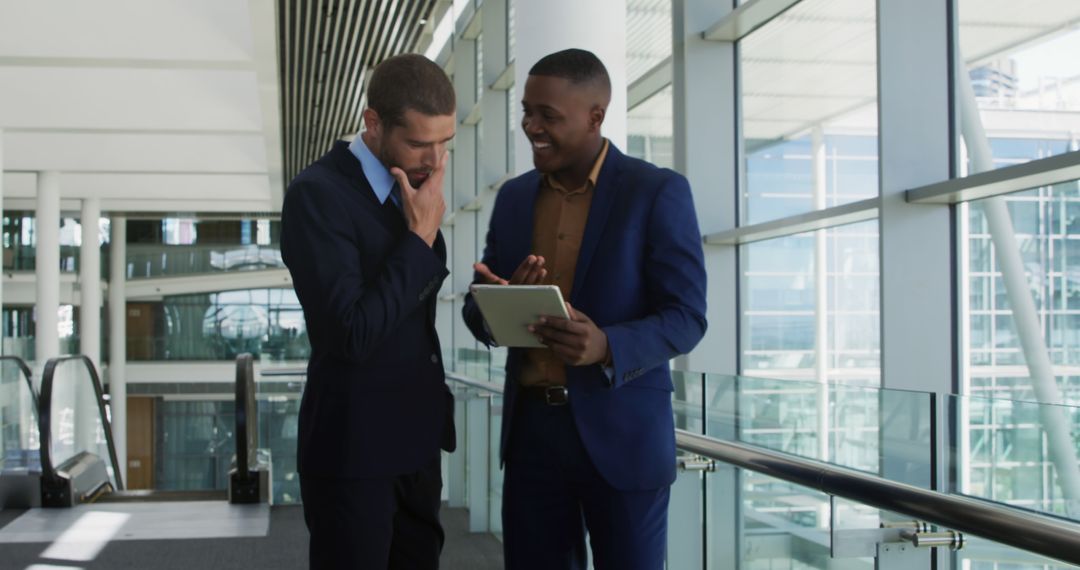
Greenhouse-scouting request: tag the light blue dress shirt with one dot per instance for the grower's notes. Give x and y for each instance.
(380, 179)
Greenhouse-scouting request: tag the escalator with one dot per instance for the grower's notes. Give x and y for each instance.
(61, 452)
(78, 455)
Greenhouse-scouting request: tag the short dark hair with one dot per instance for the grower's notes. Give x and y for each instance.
(577, 66)
(409, 81)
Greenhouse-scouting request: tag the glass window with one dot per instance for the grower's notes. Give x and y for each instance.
(790, 301)
(649, 130)
(648, 36)
(1024, 79)
(269, 323)
(1040, 222)
(808, 96)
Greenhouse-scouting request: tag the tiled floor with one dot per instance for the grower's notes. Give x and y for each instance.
(142, 521)
(239, 544)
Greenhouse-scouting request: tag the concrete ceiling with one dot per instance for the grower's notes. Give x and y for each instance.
(149, 105)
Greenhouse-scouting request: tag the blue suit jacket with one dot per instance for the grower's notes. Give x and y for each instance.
(376, 402)
(640, 276)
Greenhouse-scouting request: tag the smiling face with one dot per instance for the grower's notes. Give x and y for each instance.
(562, 122)
(415, 146)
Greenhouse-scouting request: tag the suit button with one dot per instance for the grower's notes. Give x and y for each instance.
(434, 358)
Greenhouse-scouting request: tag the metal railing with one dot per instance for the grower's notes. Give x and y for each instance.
(1040, 534)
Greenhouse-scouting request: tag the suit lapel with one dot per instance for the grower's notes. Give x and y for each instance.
(522, 216)
(604, 196)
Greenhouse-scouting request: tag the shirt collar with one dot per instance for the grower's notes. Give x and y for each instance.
(594, 174)
(376, 173)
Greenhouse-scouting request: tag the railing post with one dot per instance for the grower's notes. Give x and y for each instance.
(477, 451)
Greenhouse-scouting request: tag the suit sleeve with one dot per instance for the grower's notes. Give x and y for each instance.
(322, 249)
(675, 282)
(470, 311)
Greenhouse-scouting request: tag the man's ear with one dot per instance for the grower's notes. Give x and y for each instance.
(596, 117)
(372, 123)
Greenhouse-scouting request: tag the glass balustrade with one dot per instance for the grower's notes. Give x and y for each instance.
(156, 260)
(1001, 453)
(20, 440)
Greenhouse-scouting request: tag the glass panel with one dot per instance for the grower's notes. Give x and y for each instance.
(686, 401)
(279, 413)
(847, 425)
(809, 109)
(195, 445)
(649, 127)
(648, 36)
(75, 417)
(155, 260)
(20, 330)
(981, 554)
(1020, 64)
(269, 323)
(805, 317)
(20, 242)
(784, 526)
(1015, 452)
(20, 440)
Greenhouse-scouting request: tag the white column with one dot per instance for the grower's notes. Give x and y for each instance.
(468, 229)
(90, 307)
(706, 152)
(916, 259)
(90, 282)
(118, 336)
(47, 259)
(542, 28)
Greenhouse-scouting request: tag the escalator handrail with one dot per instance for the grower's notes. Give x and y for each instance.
(246, 429)
(48, 470)
(28, 374)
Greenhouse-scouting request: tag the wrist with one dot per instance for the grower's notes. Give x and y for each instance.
(428, 238)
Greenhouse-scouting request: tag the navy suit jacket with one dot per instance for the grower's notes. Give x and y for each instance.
(376, 402)
(640, 276)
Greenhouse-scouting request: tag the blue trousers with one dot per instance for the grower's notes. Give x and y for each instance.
(553, 496)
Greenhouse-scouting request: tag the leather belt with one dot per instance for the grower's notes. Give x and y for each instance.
(550, 395)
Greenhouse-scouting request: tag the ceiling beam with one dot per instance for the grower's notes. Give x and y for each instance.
(125, 63)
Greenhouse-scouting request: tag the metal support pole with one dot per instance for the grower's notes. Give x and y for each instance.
(1055, 419)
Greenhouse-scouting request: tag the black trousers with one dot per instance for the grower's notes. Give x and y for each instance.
(374, 523)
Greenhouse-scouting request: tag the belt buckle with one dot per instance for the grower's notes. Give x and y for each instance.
(556, 395)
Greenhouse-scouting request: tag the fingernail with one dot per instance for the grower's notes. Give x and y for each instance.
(543, 320)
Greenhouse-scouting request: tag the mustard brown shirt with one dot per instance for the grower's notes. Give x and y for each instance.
(558, 228)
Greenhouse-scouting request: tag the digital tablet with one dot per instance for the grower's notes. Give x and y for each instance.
(510, 309)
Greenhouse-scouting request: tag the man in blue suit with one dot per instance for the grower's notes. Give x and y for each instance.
(360, 235)
(588, 436)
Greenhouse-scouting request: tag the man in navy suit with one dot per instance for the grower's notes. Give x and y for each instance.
(360, 235)
(588, 436)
